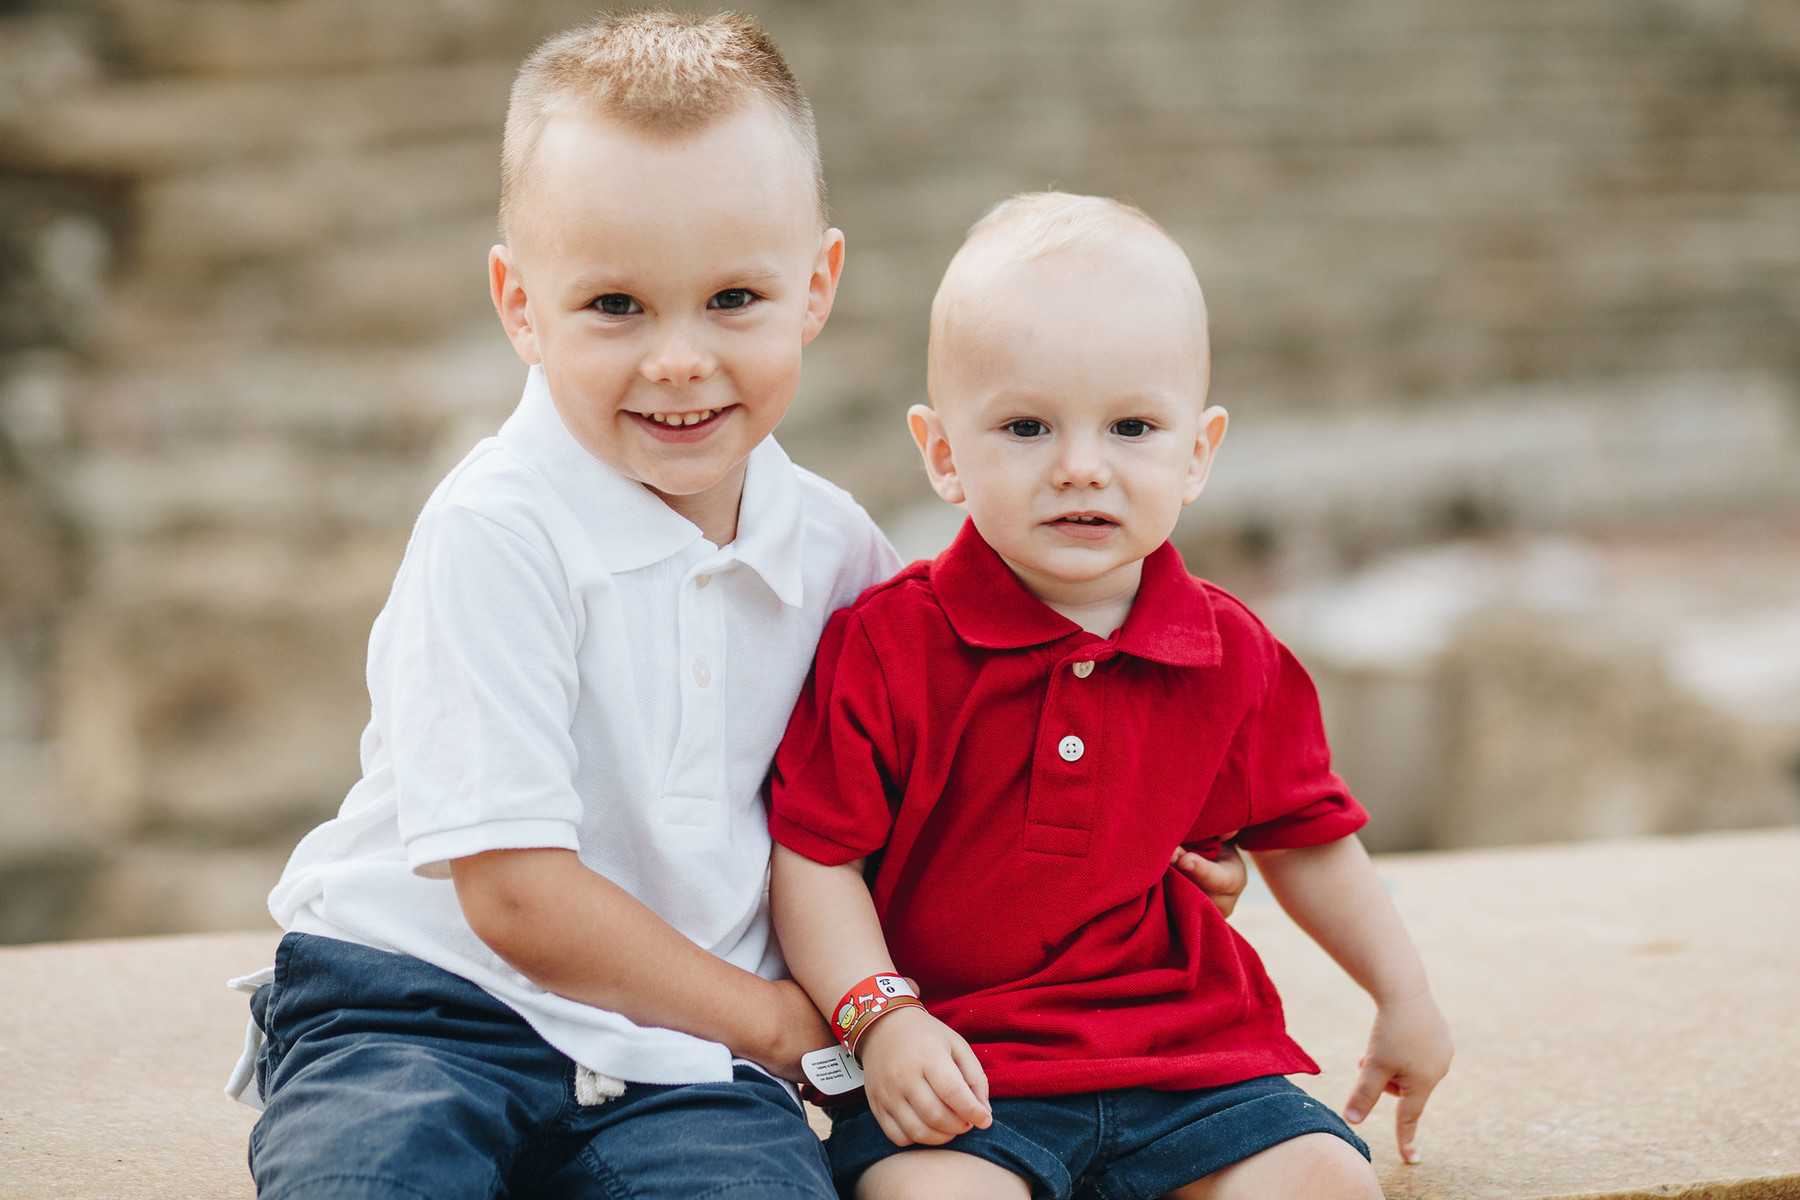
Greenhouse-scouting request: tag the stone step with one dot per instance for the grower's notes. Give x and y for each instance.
(261, 210)
(1508, 690)
(170, 123)
(1623, 1014)
(231, 36)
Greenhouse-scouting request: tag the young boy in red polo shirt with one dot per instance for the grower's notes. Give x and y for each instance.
(1000, 750)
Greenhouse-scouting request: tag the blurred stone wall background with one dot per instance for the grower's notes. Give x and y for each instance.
(1506, 302)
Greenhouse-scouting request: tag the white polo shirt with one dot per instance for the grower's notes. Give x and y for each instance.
(566, 662)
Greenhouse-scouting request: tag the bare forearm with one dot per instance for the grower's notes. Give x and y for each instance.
(826, 921)
(578, 934)
(1334, 893)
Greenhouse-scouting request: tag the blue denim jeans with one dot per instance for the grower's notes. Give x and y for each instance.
(1126, 1144)
(387, 1077)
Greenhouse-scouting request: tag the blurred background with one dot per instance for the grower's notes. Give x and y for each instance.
(1506, 304)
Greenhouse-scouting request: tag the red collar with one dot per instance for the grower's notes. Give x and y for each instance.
(1170, 622)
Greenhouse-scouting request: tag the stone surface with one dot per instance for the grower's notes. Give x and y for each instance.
(114, 1054)
(1623, 1014)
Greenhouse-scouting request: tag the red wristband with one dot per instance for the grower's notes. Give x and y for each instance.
(866, 1003)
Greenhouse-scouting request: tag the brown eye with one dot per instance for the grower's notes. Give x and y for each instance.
(1025, 428)
(732, 298)
(617, 304)
(1131, 427)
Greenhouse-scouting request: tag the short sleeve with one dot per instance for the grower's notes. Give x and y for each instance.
(479, 693)
(833, 777)
(1295, 799)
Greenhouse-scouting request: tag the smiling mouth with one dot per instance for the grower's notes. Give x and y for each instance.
(682, 420)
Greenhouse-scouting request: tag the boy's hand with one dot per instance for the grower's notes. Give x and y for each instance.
(1409, 1052)
(923, 1083)
(1223, 880)
(796, 1029)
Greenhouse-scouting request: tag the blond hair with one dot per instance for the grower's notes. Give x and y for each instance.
(1034, 225)
(657, 71)
(1037, 224)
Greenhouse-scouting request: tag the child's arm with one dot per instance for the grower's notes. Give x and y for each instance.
(923, 1082)
(574, 932)
(1333, 893)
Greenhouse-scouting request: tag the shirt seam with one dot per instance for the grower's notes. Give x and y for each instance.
(553, 560)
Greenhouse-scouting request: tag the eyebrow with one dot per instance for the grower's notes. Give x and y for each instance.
(762, 273)
(750, 275)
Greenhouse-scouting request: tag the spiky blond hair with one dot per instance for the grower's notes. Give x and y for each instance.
(659, 71)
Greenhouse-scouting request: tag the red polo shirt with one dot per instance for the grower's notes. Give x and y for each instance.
(1018, 785)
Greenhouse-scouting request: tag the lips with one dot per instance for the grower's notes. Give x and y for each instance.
(1084, 526)
(681, 420)
(683, 426)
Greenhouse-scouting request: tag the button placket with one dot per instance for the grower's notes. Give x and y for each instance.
(694, 791)
(1059, 806)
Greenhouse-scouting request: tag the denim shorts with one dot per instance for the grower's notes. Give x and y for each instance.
(387, 1077)
(1128, 1144)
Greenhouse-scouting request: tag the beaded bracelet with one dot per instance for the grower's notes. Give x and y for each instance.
(868, 1002)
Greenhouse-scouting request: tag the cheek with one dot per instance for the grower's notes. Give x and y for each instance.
(591, 360)
(769, 358)
(995, 484)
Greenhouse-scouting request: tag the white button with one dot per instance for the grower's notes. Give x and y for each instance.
(1083, 669)
(1070, 748)
(702, 673)
(701, 581)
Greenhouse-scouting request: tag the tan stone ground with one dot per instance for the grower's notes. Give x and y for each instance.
(1624, 1015)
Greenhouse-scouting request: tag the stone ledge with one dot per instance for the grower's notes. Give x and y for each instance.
(1623, 1013)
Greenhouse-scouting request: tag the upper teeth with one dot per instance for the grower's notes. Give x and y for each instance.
(693, 418)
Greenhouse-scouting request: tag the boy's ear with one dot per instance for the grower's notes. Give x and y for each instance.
(822, 288)
(507, 287)
(1206, 447)
(928, 431)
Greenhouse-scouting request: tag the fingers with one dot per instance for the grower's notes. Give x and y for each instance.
(1223, 880)
(924, 1084)
(1371, 1080)
(921, 1116)
(1406, 1121)
(890, 1125)
(972, 1070)
(964, 1090)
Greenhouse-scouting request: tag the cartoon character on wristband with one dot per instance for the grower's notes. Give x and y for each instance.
(867, 1002)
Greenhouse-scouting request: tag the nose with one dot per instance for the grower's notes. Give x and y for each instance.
(1080, 462)
(676, 356)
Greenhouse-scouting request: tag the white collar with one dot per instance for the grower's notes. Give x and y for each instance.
(639, 529)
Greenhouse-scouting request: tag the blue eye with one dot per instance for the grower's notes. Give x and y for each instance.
(1025, 427)
(732, 298)
(1131, 427)
(617, 304)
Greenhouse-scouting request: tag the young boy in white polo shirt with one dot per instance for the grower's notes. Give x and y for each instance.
(532, 954)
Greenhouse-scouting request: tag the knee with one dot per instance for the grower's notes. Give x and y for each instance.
(939, 1175)
(1313, 1166)
(1325, 1167)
